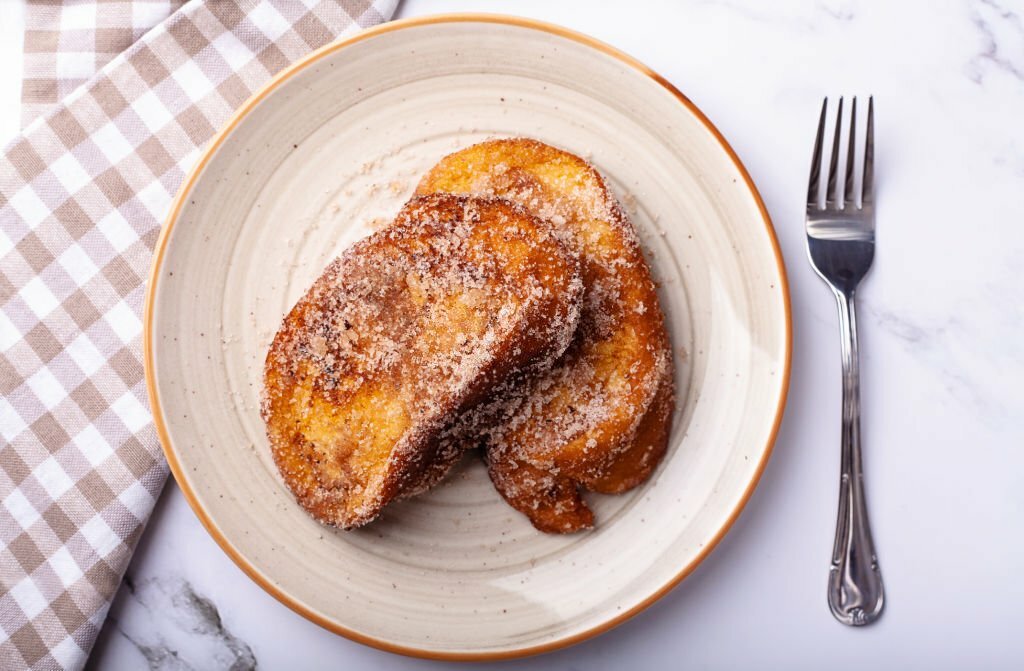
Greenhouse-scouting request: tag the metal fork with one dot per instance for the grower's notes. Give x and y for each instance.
(841, 246)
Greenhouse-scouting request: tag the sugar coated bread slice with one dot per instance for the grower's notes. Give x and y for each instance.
(598, 418)
(407, 329)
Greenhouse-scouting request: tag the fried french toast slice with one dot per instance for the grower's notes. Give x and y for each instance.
(598, 418)
(401, 333)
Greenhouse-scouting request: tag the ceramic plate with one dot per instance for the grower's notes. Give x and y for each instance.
(332, 147)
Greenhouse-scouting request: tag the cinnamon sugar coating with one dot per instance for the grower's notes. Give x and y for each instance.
(405, 331)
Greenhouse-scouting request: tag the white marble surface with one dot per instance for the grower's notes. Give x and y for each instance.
(943, 360)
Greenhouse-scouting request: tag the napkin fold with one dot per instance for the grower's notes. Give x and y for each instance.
(83, 192)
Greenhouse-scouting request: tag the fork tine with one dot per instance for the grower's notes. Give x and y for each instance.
(868, 189)
(832, 195)
(849, 197)
(812, 188)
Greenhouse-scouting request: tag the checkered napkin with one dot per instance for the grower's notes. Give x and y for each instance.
(66, 43)
(83, 191)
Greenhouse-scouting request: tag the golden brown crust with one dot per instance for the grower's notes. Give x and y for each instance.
(596, 417)
(405, 330)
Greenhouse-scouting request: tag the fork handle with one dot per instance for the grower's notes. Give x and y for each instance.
(855, 593)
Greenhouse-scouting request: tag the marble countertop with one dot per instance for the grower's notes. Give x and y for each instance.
(942, 318)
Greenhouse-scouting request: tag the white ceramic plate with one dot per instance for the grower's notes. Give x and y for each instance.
(305, 168)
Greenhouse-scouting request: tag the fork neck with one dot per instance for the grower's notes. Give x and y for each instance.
(845, 299)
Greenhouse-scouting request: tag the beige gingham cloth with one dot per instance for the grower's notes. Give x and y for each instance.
(67, 42)
(83, 192)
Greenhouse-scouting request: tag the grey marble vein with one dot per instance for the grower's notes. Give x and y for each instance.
(800, 21)
(840, 11)
(998, 27)
(958, 352)
(177, 629)
(901, 327)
